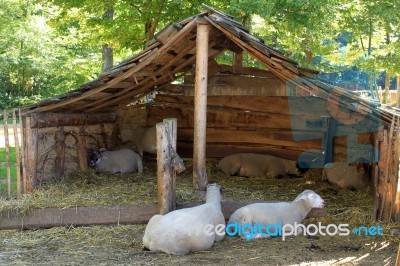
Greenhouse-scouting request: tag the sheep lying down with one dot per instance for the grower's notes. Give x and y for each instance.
(251, 164)
(182, 231)
(277, 212)
(118, 161)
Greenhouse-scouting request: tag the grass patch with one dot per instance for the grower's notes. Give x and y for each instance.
(3, 171)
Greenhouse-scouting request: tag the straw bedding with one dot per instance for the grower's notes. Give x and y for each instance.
(110, 245)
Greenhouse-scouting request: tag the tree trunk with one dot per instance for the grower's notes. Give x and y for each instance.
(107, 57)
(398, 91)
(386, 98)
(107, 50)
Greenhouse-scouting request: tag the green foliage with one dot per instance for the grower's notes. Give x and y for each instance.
(52, 46)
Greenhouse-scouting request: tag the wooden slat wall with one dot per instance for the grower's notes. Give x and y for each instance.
(262, 124)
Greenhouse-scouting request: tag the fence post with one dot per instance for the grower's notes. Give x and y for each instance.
(17, 159)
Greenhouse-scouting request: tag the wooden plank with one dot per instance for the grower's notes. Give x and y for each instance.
(82, 152)
(218, 117)
(76, 119)
(270, 137)
(23, 155)
(17, 154)
(60, 151)
(185, 150)
(83, 216)
(31, 137)
(7, 147)
(296, 106)
(200, 109)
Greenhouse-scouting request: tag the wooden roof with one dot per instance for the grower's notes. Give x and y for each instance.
(171, 55)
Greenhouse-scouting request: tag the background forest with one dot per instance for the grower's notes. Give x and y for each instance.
(52, 46)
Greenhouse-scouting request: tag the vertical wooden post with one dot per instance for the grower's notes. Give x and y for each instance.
(382, 174)
(330, 125)
(60, 151)
(200, 110)
(31, 152)
(172, 134)
(82, 153)
(238, 59)
(7, 146)
(23, 155)
(165, 176)
(17, 158)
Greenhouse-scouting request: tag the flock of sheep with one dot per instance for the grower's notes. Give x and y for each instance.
(193, 229)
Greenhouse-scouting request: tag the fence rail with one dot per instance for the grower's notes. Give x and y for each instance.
(12, 176)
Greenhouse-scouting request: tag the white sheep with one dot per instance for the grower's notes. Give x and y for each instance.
(182, 231)
(277, 212)
(118, 161)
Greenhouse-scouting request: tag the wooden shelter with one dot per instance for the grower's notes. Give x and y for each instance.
(282, 109)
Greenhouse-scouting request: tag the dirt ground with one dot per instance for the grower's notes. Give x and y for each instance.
(122, 245)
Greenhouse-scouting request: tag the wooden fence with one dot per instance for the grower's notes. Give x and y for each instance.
(12, 162)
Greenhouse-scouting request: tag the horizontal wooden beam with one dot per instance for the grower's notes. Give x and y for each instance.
(296, 106)
(216, 150)
(311, 140)
(224, 118)
(52, 217)
(61, 119)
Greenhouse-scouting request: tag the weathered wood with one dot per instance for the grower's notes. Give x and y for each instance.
(213, 150)
(60, 119)
(7, 147)
(176, 162)
(328, 141)
(269, 137)
(60, 151)
(23, 154)
(164, 171)
(200, 109)
(383, 148)
(238, 59)
(81, 216)
(294, 106)
(31, 154)
(17, 156)
(218, 117)
(82, 152)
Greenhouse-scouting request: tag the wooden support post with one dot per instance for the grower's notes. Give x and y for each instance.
(200, 110)
(166, 177)
(31, 153)
(172, 127)
(82, 153)
(382, 174)
(60, 151)
(330, 125)
(375, 176)
(17, 158)
(238, 59)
